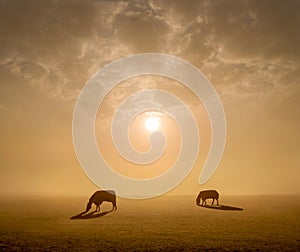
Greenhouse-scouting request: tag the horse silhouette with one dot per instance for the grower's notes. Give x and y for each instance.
(98, 197)
(207, 194)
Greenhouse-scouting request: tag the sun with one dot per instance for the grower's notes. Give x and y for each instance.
(152, 123)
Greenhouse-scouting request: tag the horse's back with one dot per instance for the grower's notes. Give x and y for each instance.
(100, 196)
(209, 194)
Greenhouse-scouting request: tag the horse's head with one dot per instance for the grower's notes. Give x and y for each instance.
(88, 206)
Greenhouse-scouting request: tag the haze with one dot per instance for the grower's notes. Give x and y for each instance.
(249, 50)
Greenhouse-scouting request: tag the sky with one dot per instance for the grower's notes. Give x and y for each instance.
(249, 50)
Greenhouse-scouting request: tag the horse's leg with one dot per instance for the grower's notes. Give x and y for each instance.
(98, 208)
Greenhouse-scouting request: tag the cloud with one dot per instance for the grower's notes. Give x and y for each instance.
(45, 43)
(247, 49)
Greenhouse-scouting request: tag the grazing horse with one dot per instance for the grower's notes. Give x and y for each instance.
(208, 194)
(98, 197)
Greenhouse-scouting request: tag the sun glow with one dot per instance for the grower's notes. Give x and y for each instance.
(152, 123)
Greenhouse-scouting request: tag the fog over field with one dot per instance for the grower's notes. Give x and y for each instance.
(168, 223)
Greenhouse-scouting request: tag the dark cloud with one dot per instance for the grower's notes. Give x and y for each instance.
(244, 47)
(45, 29)
(45, 41)
(257, 28)
(140, 33)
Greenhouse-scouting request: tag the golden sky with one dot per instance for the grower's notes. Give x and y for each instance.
(249, 50)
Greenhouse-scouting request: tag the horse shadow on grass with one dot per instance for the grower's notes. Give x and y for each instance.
(222, 207)
(92, 215)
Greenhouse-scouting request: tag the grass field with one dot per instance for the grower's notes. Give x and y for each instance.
(266, 223)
